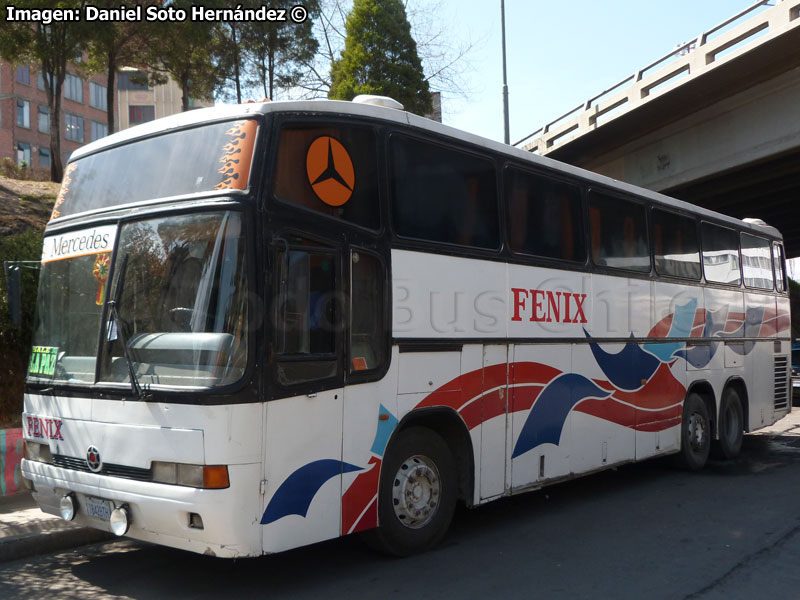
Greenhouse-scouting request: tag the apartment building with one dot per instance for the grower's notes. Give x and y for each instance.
(140, 103)
(25, 116)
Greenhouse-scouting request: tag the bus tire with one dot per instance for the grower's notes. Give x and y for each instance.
(695, 433)
(731, 425)
(416, 494)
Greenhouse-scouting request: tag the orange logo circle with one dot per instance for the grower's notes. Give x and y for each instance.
(330, 171)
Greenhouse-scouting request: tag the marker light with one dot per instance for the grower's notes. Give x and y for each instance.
(120, 521)
(67, 507)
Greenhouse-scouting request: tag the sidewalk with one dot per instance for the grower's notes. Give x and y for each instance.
(26, 531)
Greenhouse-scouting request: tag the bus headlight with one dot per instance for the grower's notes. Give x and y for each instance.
(38, 452)
(210, 477)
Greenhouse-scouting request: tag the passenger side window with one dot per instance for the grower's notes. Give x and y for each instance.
(720, 254)
(307, 316)
(757, 262)
(545, 216)
(618, 233)
(368, 327)
(332, 170)
(675, 245)
(443, 195)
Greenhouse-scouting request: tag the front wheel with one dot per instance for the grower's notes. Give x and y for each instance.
(416, 494)
(695, 433)
(731, 425)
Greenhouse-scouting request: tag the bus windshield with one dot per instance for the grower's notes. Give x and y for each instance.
(181, 291)
(203, 159)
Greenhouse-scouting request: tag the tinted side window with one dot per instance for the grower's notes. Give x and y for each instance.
(443, 195)
(332, 170)
(675, 245)
(780, 270)
(307, 314)
(757, 262)
(368, 329)
(544, 216)
(619, 233)
(720, 254)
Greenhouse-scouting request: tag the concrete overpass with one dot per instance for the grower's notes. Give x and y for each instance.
(715, 122)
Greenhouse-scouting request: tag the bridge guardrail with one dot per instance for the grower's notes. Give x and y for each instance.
(745, 30)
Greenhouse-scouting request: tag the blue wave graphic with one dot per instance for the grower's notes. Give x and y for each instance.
(629, 366)
(295, 494)
(546, 419)
(753, 318)
(383, 432)
(699, 356)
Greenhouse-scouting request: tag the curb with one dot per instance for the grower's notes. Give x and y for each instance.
(41, 542)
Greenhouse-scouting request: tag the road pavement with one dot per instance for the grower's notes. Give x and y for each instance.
(642, 531)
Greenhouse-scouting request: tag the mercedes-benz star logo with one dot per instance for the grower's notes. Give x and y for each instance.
(330, 171)
(93, 460)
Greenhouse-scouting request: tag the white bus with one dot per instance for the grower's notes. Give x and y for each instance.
(268, 325)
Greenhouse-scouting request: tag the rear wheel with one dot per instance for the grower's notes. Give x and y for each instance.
(695, 433)
(416, 494)
(731, 425)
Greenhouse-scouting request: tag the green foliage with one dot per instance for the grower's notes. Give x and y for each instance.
(15, 343)
(9, 168)
(277, 53)
(185, 51)
(380, 57)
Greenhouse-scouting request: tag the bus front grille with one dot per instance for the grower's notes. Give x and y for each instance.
(79, 464)
(782, 382)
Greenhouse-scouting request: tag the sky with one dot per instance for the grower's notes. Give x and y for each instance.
(562, 52)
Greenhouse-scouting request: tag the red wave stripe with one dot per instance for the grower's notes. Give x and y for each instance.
(661, 328)
(646, 419)
(484, 408)
(358, 495)
(370, 518)
(609, 409)
(523, 397)
(699, 323)
(734, 323)
(661, 391)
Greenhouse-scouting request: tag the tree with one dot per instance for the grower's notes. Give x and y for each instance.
(185, 51)
(380, 57)
(113, 45)
(51, 47)
(444, 59)
(278, 51)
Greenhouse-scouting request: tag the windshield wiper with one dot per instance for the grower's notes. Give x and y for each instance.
(112, 306)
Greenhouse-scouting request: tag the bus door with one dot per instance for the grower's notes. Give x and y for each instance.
(303, 438)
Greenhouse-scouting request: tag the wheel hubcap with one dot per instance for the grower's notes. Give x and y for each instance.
(416, 491)
(697, 431)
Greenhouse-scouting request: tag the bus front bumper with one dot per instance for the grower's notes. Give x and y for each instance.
(161, 513)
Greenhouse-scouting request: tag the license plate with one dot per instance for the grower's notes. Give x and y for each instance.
(100, 509)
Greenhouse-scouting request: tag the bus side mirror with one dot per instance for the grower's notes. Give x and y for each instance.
(14, 293)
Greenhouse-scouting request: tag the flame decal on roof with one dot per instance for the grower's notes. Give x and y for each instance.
(237, 155)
